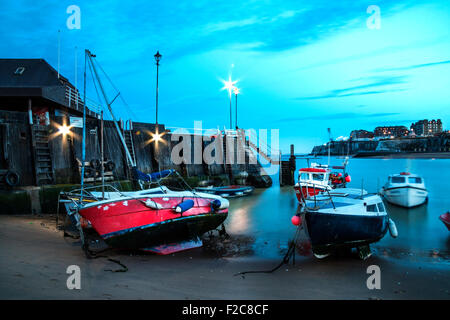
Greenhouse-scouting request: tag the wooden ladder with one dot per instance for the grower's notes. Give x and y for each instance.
(43, 166)
(128, 136)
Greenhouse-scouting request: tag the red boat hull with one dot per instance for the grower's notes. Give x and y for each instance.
(445, 218)
(307, 192)
(132, 224)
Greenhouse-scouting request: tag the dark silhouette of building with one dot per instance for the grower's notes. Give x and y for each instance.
(361, 134)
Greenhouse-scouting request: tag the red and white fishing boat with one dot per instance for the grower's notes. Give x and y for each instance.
(319, 179)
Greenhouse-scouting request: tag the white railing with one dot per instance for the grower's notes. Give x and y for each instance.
(75, 101)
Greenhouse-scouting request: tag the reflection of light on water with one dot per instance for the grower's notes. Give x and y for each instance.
(238, 221)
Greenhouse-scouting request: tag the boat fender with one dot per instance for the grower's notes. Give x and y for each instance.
(296, 220)
(392, 229)
(152, 204)
(215, 204)
(12, 178)
(184, 206)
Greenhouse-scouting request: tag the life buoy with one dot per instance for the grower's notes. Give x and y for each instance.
(11, 178)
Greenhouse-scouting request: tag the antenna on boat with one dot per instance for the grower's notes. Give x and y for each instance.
(329, 144)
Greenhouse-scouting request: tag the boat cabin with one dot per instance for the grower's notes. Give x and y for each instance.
(405, 178)
(315, 176)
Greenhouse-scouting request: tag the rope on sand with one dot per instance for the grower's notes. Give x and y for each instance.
(290, 253)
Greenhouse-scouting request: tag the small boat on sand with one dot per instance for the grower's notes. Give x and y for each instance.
(405, 189)
(346, 219)
(157, 219)
(445, 218)
(227, 191)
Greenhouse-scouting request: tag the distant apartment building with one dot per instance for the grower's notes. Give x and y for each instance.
(427, 128)
(391, 131)
(361, 134)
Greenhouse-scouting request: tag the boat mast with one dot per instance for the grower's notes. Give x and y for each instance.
(83, 144)
(108, 104)
(102, 168)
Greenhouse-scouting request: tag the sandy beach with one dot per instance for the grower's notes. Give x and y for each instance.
(34, 257)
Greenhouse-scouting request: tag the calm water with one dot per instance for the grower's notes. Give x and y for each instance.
(266, 214)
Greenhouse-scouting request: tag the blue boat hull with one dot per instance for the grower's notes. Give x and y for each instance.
(330, 231)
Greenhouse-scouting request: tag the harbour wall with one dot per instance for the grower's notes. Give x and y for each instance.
(19, 149)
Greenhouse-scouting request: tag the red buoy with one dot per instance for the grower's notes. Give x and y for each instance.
(296, 220)
(348, 179)
(340, 174)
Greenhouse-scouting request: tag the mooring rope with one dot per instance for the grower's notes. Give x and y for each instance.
(290, 253)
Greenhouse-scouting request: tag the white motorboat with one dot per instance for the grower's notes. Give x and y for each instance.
(405, 189)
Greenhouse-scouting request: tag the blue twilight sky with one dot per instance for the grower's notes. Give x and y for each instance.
(302, 66)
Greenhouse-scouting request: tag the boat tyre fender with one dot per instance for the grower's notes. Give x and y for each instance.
(89, 172)
(110, 166)
(95, 164)
(11, 178)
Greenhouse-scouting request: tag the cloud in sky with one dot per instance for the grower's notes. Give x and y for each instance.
(357, 90)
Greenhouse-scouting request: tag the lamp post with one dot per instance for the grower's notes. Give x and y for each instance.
(236, 92)
(157, 59)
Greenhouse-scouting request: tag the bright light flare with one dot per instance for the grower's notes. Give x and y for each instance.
(236, 90)
(64, 130)
(229, 85)
(156, 137)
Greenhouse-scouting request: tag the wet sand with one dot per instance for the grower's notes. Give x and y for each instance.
(34, 257)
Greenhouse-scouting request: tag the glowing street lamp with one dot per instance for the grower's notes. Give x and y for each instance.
(236, 92)
(229, 85)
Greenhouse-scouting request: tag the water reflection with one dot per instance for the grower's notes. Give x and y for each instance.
(266, 215)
